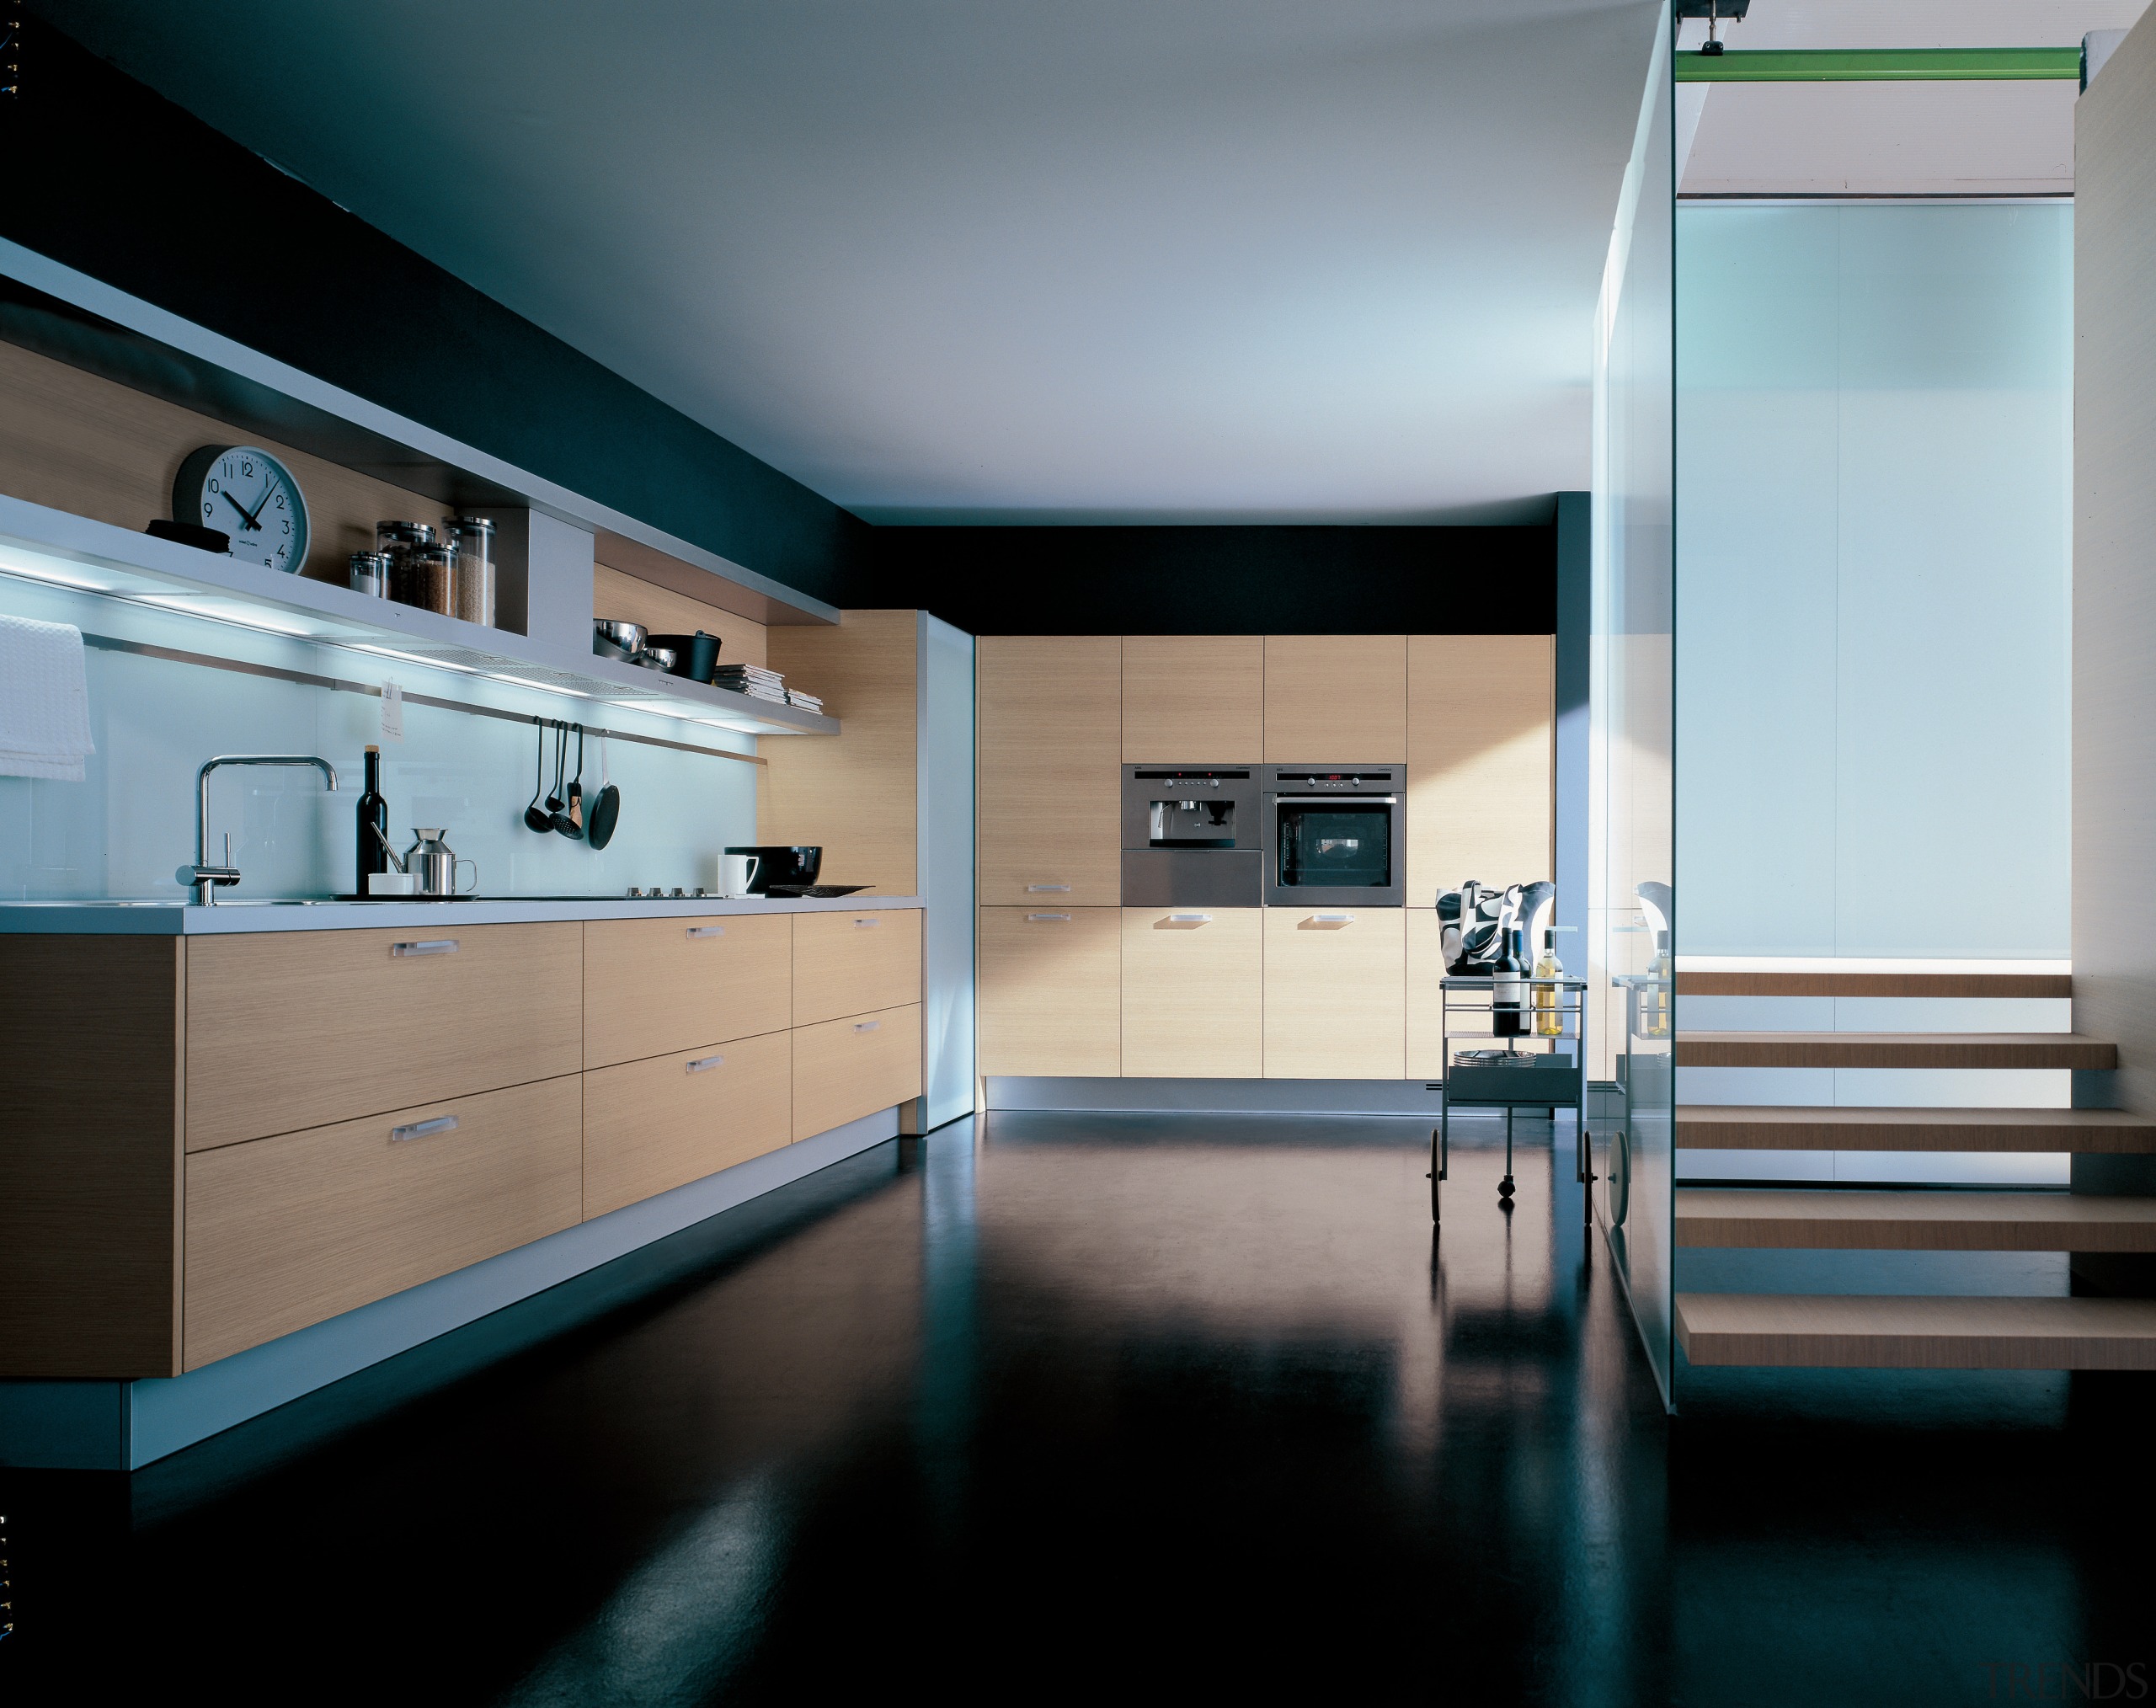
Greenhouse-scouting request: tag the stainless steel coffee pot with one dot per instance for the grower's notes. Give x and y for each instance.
(433, 865)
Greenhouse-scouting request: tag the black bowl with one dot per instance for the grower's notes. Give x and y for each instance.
(782, 866)
(696, 656)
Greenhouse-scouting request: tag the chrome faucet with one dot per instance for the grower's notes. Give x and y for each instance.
(206, 878)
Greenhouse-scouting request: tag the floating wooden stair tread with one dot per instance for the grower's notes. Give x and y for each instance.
(1894, 1049)
(1742, 1127)
(1875, 984)
(1839, 1219)
(1868, 1331)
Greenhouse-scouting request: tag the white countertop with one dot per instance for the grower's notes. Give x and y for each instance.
(184, 919)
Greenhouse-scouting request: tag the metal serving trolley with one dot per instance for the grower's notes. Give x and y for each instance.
(1536, 1071)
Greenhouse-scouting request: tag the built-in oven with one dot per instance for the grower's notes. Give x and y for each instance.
(1335, 833)
(1190, 836)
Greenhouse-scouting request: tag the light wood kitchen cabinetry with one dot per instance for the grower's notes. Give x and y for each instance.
(655, 986)
(1193, 699)
(650, 1126)
(1480, 760)
(1426, 966)
(1335, 993)
(286, 1232)
(851, 963)
(1193, 993)
(852, 794)
(294, 1029)
(1051, 991)
(92, 1031)
(1336, 698)
(845, 1069)
(1050, 798)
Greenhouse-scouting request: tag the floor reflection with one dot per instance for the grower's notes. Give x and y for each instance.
(1102, 1404)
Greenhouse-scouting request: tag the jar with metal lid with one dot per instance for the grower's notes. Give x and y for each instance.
(430, 573)
(370, 574)
(399, 540)
(474, 537)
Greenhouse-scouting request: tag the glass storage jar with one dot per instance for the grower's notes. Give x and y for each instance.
(474, 539)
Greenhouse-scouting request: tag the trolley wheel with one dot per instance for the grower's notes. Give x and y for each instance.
(1436, 1183)
(1505, 1189)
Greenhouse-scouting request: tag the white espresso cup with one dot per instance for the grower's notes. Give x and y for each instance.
(736, 872)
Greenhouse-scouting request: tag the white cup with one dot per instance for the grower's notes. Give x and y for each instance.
(736, 872)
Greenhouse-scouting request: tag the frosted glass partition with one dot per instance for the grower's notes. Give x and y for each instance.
(1875, 430)
(1632, 719)
(124, 830)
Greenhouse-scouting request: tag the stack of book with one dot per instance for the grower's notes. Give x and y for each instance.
(806, 703)
(752, 679)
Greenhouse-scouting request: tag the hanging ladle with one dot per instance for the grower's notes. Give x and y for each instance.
(568, 815)
(537, 817)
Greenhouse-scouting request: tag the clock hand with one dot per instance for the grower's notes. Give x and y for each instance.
(267, 493)
(246, 520)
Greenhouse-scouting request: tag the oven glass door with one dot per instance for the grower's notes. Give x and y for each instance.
(1334, 844)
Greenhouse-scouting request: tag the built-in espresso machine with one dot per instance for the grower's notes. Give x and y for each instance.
(1190, 836)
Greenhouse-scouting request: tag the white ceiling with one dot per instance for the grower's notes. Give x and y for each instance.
(1099, 259)
(1892, 139)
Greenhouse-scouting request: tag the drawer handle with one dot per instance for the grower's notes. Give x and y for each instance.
(706, 930)
(432, 946)
(709, 1061)
(1041, 916)
(1048, 889)
(867, 1026)
(423, 1130)
(1190, 918)
(861, 922)
(1332, 919)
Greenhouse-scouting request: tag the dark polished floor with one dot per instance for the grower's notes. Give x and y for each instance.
(1116, 1407)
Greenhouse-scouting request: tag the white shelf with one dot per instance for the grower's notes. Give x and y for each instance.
(59, 549)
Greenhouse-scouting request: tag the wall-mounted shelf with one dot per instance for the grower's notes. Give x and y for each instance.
(58, 548)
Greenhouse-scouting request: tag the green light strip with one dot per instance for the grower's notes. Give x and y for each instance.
(1879, 65)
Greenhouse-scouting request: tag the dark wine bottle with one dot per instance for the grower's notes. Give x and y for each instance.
(1508, 989)
(372, 850)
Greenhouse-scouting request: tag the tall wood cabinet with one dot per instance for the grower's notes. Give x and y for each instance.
(1050, 781)
(1481, 761)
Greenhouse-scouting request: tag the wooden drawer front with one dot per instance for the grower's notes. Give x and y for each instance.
(286, 1231)
(854, 963)
(1336, 994)
(1051, 991)
(845, 1069)
(1193, 993)
(658, 986)
(1050, 728)
(295, 1029)
(652, 1125)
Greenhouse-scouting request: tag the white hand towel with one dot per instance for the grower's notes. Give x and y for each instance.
(44, 701)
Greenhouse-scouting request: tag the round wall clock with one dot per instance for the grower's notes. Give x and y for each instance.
(243, 491)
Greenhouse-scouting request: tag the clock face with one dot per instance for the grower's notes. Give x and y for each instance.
(248, 494)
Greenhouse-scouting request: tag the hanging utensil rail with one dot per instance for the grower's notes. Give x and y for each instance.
(308, 679)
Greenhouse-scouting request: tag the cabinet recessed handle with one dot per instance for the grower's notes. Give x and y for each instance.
(1048, 889)
(859, 922)
(868, 1025)
(423, 1130)
(706, 930)
(432, 946)
(1037, 917)
(709, 1061)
